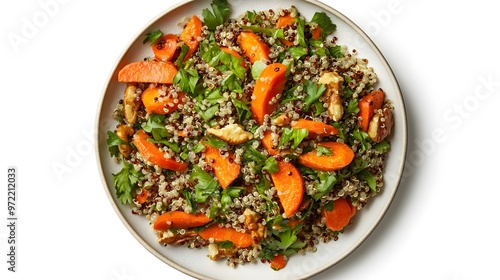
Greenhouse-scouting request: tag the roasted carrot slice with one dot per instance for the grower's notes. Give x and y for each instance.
(225, 168)
(165, 47)
(267, 142)
(180, 219)
(220, 234)
(153, 154)
(341, 156)
(148, 72)
(190, 35)
(270, 83)
(285, 21)
(158, 104)
(253, 48)
(316, 128)
(278, 262)
(367, 106)
(290, 186)
(142, 196)
(316, 34)
(339, 217)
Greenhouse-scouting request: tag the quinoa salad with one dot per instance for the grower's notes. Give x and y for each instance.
(254, 137)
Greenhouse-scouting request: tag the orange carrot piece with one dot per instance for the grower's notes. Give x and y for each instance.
(282, 22)
(151, 100)
(267, 142)
(180, 219)
(225, 168)
(354, 209)
(148, 72)
(290, 186)
(316, 128)
(339, 216)
(165, 47)
(253, 48)
(270, 83)
(190, 35)
(367, 106)
(153, 154)
(316, 34)
(341, 156)
(278, 262)
(142, 196)
(220, 234)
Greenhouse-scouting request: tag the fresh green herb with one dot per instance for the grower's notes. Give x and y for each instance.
(382, 146)
(221, 60)
(187, 79)
(369, 179)
(180, 59)
(215, 142)
(113, 142)
(205, 186)
(207, 114)
(242, 109)
(297, 52)
(254, 17)
(125, 182)
(336, 51)
(225, 244)
(228, 195)
(328, 206)
(270, 165)
(300, 32)
(232, 83)
(173, 146)
(189, 198)
(276, 33)
(352, 107)
(313, 91)
(322, 150)
(152, 37)
(285, 242)
(324, 21)
(257, 68)
(220, 14)
(156, 127)
(293, 134)
(324, 183)
(363, 138)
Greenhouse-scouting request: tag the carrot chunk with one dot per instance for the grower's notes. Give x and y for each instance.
(165, 47)
(225, 168)
(155, 103)
(290, 186)
(267, 142)
(282, 22)
(220, 234)
(148, 72)
(142, 196)
(315, 128)
(339, 217)
(190, 35)
(253, 48)
(270, 83)
(367, 106)
(278, 262)
(341, 156)
(180, 219)
(153, 154)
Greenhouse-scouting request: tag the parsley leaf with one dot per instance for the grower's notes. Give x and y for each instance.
(297, 135)
(220, 14)
(324, 184)
(382, 147)
(152, 37)
(322, 150)
(271, 165)
(186, 79)
(242, 109)
(313, 91)
(228, 195)
(113, 142)
(155, 126)
(324, 21)
(206, 185)
(125, 181)
(369, 179)
(352, 107)
(173, 146)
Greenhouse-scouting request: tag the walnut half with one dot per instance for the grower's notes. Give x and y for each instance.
(131, 103)
(332, 98)
(380, 125)
(234, 134)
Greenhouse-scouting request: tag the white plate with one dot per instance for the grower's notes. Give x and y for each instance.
(195, 262)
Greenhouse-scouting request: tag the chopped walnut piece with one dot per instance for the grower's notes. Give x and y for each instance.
(131, 103)
(380, 125)
(234, 134)
(332, 98)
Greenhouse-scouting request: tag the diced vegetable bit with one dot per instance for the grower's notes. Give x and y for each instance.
(148, 72)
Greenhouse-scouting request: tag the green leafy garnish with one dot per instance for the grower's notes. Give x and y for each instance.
(257, 68)
(187, 79)
(173, 146)
(205, 186)
(324, 21)
(242, 109)
(369, 179)
(324, 183)
(285, 242)
(313, 91)
(322, 150)
(113, 142)
(382, 146)
(271, 165)
(352, 107)
(156, 127)
(152, 37)
(220, 14)
(293, 134)
(228, 195)
(125, 182)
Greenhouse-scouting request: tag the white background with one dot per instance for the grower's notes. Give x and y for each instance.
(443, 223)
